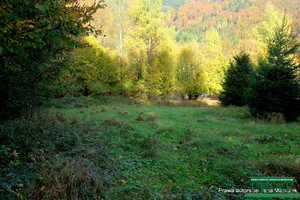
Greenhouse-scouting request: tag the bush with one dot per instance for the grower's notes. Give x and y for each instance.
(275, 88)
(69, 101)
(237, 81)
(97, 89)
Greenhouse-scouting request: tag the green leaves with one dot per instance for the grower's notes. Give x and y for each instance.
(189, 73)
(275, 89)
(237, 81)
(33, 35)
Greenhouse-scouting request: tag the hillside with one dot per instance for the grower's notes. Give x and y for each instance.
(233, 19)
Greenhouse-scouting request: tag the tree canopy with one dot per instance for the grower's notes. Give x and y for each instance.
(34, 35)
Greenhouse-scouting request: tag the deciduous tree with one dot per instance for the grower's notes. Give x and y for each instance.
(32, 35)
(190, 76)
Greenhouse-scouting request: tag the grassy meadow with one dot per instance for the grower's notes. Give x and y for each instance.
(118, 148)
(67, 133)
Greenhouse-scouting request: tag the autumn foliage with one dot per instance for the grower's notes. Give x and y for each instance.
(34, 36)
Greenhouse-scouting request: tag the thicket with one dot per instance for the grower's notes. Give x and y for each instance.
(91, 70)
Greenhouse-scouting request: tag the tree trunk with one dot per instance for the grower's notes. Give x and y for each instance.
(182, 97)
(120, 32)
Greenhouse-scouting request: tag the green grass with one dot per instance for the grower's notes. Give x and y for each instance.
(178, 151)
(145, 151)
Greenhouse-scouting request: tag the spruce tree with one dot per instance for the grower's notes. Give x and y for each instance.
(275, 88)
(237, 80)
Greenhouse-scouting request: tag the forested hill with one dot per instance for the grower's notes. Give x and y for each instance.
(234, 19)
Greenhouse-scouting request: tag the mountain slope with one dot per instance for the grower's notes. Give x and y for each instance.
(233, 19)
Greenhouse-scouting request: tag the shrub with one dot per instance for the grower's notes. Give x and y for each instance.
(69, 101)
(237, 81)
(97, 89)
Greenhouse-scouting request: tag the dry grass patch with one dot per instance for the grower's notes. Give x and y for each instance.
(276, 118)
(189, 103)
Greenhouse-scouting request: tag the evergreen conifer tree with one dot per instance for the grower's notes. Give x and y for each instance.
(275, 88)
(237, 80)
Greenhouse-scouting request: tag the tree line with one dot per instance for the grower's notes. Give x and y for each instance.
(46, 53)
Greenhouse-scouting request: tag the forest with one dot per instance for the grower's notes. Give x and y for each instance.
(147, 99)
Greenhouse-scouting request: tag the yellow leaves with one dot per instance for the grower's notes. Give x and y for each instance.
(85, 61)
(123, 181)
(91, 40)
(29, 21)
(230, 139)
(21, 23)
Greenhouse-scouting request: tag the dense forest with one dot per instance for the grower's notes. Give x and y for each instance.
(152, 39)
(147, 99)
(234, 20)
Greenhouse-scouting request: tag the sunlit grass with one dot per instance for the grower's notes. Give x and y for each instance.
(174, 152)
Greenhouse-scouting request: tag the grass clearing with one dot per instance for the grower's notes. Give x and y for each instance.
(126, 149)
